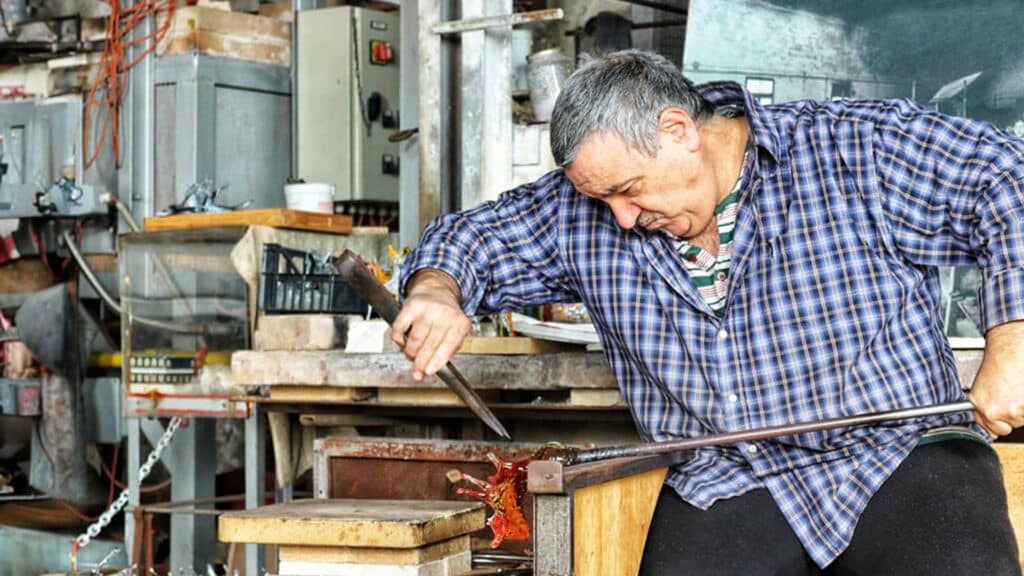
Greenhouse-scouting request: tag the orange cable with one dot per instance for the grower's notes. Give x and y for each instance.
(112, 69)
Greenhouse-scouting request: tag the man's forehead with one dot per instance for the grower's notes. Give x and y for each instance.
(599, 164)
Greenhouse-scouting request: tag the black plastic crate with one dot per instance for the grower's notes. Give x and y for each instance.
(297, 282)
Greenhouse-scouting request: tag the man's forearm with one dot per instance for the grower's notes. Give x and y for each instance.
(434, 280)
(1004, 338)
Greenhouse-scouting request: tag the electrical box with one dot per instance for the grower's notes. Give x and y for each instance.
(347, 88)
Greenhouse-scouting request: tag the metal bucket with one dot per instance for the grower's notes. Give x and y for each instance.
(546, 72)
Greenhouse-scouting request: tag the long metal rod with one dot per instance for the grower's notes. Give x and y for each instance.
(485, 22)
(756, 434)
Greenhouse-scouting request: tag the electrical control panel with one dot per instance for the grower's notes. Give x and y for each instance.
(347, 101)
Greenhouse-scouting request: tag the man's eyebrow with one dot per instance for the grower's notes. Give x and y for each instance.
(616, 187)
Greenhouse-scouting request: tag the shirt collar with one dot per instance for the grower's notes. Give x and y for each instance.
(762, 131)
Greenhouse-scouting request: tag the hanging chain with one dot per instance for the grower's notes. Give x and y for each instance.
(96, 527)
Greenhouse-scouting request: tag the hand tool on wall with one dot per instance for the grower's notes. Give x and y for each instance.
(354, 271)
(652, 448)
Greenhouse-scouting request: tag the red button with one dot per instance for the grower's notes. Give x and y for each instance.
(382, 52)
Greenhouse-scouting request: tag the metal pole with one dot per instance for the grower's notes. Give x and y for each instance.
(255, 467)
(762, 433)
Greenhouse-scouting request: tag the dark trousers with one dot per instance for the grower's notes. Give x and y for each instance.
(943, 512)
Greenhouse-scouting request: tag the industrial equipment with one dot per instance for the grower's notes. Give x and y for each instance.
(41, 162)
(347, 88)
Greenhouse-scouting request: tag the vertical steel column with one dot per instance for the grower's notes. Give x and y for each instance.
(255, 468)
(497, 136)
(486, 115)
(552, 528)
(135, 180)
(194, 453)
(408, 178)
(429, 104)
(133, 463)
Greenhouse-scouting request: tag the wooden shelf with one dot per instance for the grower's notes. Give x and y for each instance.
(273, 217)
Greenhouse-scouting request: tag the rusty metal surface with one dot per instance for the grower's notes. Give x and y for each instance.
(58, 464)
(555, 477)
(545, 477)
(406, 469)
(593, 473)
(425, 450)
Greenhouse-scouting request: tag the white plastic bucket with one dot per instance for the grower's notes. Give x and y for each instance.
(310, 197)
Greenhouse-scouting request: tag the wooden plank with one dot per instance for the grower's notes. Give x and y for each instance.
(300, 394)
(455, 565)
(355, 523)
(278, 10)
(429, 396)
(1011, 455)
(273, 217)
(602, 397)
(227, 46)
(514, 346)
(619, 511)
(229, 34)
(486, 371)
(374, 555)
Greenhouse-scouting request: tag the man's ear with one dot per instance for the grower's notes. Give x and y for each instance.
(679, 125)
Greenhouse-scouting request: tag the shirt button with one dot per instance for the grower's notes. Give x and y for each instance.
(733, 398)
(751, 448)
(721, 276)
(723, 334)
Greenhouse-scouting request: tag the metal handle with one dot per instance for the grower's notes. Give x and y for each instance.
(353, 269)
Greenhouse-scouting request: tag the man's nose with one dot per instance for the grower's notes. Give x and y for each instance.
(626, 213)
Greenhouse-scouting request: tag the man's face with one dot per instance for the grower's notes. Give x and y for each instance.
(673, 191)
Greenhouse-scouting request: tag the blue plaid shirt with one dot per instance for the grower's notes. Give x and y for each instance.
(833, 306)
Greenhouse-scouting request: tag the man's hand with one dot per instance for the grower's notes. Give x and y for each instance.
(998, 391)
(431, 326)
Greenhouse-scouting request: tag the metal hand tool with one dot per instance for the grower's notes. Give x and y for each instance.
(354, 271)
(756, 434)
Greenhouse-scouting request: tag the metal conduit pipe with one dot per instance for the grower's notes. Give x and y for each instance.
(122, 209)
(94, 281)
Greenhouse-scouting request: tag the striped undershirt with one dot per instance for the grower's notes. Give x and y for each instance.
(710, 274)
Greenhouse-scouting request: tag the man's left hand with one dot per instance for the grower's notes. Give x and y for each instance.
(998, 391)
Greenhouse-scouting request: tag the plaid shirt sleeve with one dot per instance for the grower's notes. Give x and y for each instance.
(953, 192)
(503, 254)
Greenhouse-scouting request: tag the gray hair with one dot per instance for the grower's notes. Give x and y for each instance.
(624, 94)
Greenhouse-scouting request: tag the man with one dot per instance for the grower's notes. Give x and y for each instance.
(751, 266)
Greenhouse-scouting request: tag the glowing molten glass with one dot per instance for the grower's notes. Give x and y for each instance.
(504, 492)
